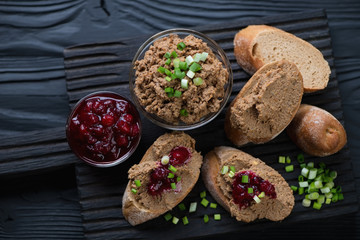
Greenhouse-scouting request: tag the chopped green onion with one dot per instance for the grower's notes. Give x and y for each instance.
(288, 160)
(177, 93)
(261, 195)
(172, 168)
(203, 194)
(169, 90)
(167, 78)
(232, 168)
(281, 159)
(181, 46)
(182, 206)
(224, 170)
(174, 54)
(321, 199)
(161, 69)
(317, 205)
(175, 220)
(197, 57)
(192, 207)
(245, 179)
(165, 160)
(178, 179)
(312, 173)
(195, 67)
(310, 164)
(306, 202)
(198, 81)
(167, 55)
(184, 83)
(302, 165)
(167, 216)
(312, 188)
(173, 185)
(322, 165)
(301, 190)
(289, 168)
(217, 217)
(294, 188)
(335, 198)
(168, 72)
(305, 172)
(257, 199)
(183, 66)
(333, 174)
(204, 202)
(313, 196)
(231, 174)
(250, 190)
(318, 184)
(168, 61)
(329, 185)
(341, 196)
(328, 201)
(137, 183)
(304, 184)
(176, 63)
(190, 74)
(213, 205)
(185, 220)
(171, 94)
(171, 175)
(328, 195)
(179, 74)
(183, 112)
(204, 55)
(189, 60)
(325, 190)
(338, 189)
(133, 190)
(206, 218)
(301, 178)
(300, 158)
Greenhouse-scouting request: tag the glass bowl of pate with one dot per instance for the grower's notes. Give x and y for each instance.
(180, 79)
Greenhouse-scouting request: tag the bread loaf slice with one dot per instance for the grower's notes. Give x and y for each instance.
(220, 185)
(257, 45)
(265, 105)
(141, 206)
(316, 131)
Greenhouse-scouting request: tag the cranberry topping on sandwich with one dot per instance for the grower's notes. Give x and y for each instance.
(247, 185)
(163, 178)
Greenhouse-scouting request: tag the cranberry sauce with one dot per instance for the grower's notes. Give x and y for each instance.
(103, 128)
(241, 193)
(162, 177)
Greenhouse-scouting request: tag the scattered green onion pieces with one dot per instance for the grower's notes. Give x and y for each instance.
(206, 218)
(198, 81)
(174, 54)
(184, 83)
(185, 220)
(161, 69)
(167, 72)
(172, 168)
(167, 78)
(305, 172)
(288, 160)
(224, 170)
(137, 183)
(176, 63)
(213, 205)
(182, 206)
(257, 199)
(178, 179)
(304, 184)
(133, 190)
(177, 93)
(204, 55)
(328, 201)
(300, 158)
(203, 194)
(217, 217)
(167, 55)
(189, 60)
(183, 66)
(181, 46)
(231, 174)
(294, 188)
(190, 74)
(250, 190)
(289, 168)
(281, 159)
(168, 61)
(317, 205)
(232, 168)
(306, 202)
(183, 112)
(333, 174)
(313, 196)
(321, 199)
(169, 90)
(173, 185)
(165, 160)
(167, 216)
(261, 195)
(245, 179)
(192, 207)
(310, 164)
(312, 173)
(175, 220)
(301, 190)
(197, 57)
(195, 67)
(204, 202)
(171, 175)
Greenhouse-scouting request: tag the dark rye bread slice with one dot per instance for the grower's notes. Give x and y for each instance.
(265, 105)
(220, 185)
(141, 207)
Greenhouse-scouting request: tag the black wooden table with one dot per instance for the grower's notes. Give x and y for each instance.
(47, 193)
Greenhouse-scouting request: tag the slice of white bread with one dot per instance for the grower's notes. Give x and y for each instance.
(140, 207)
(257, 45)
(219, 185)
(265, 105)
(316, 131)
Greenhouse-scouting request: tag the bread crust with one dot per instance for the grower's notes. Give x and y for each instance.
(245, 43)
(134, 212)
(316, 131)
(272, 209)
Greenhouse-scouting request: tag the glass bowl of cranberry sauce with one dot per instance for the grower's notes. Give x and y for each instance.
(103, 129)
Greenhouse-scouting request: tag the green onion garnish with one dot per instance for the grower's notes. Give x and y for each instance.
(178, 179)
(300, 158)
(192, 207)
(289, 168)
(281, 159)
(185, 220)
(305, 172)
(172, 168)
(310, 164)
(174, 54)
(176, 63)
(168, 61)
(181, 46)
(189, 60)
(304, 184)
(167, 216)
(177, 93)
(167, 78)
(317, 205)
(169, 90)
(182, 206)
(203, 194)
(288, 160)
(224, 170)
(321, 199)
(261, 195)
(183, 66)
(232, 168)
(173, 185)
(190, 74)
(184, 83)
(198, 81)
(137, 183)
(312, 173)
(197, 57)
(161, 69)
(183, 112)
(204, 55)
(168, 72)
(245, 179)
(294, 188)
(195, 67)
(204, 202)
(314, 196)
(257, 199)
(231, 174)
(206, 218)
(217, 217)
(301, 190)
(133, 190)
(306, 202)
(328, 201)
(167, 55)
(179, 74)
(165, 160)
(175, 220)
(213, 205)
(171, 175)
(250, 190)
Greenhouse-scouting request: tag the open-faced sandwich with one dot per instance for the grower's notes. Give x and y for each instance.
(166, 174)
(245, 186)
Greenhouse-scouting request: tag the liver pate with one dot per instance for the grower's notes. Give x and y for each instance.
(198, 101)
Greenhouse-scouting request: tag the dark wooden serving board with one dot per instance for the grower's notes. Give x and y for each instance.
(105, 66)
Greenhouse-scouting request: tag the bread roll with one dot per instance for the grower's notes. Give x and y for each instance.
(316, 131)
(265, 105)
(221, 186)
(258, 45)
(142, 206)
